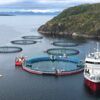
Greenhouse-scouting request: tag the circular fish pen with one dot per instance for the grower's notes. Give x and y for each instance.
(10, 49)
(65, 44)
(23, 42)
(48, 66)
(62, 51)
(32, 37)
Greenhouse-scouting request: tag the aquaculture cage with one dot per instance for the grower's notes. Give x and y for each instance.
(10, 49)
(32, 37)
(64, 44)
(23, 42)
(62, 51)
(47, 66)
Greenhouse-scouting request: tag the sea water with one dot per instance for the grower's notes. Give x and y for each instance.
(15, 84)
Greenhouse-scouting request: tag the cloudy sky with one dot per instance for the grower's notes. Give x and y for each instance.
(3, 2)
(43, 4)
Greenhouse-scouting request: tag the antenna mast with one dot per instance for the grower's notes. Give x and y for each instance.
(97, 47)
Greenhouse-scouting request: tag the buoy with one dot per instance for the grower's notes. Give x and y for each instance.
(1, 75)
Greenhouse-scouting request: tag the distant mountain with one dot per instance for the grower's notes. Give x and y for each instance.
(5, 11)
(28, 8)
(82, 20)
(31, 7)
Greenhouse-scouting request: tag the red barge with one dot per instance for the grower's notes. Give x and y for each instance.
(92, 71)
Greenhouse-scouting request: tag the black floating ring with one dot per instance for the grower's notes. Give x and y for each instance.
(23, 42)
(65, 44)
(62, 51)
(32, 37)
(10, 49)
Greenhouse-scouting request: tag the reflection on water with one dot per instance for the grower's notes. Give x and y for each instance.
(19, 85)
(91, 93)
(67, 38)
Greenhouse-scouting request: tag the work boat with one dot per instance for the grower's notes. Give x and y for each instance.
(19, 61)
(92, 70)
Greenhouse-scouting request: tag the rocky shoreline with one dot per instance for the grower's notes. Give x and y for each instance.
(75, 35)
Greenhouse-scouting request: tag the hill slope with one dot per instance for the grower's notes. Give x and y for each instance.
(83, 20)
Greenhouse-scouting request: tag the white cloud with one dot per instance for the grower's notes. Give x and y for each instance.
(31, 10)
(3, 2)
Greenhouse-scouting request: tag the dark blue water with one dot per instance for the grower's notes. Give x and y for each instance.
(15, 84)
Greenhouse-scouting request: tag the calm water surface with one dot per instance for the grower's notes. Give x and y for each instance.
(19, 85)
